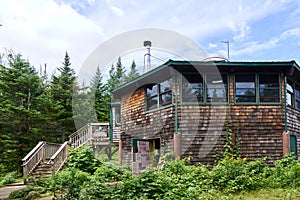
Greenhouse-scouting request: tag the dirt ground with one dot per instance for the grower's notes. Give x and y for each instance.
(5, 191)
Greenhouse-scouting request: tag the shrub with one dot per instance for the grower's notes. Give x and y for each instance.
(83, 158)
(108, 174)
(68, 183)
(9, 178)
(286, 173)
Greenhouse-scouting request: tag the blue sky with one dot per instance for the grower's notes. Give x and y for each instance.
(43, 30)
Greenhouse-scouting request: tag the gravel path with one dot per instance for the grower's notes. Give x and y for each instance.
(5, 191)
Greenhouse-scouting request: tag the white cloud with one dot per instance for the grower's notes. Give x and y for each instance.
(241, 31)
(211, 45)
(44, 31)
(117, 11)
(255, 47)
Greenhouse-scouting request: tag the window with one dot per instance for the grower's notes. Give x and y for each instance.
(117, 115)
(152, 97)
(165, 92)
(158, 95)
(290, 93)
(216, 88)
(268, 88)
(297, 96)
(192, 88)
(245, 88)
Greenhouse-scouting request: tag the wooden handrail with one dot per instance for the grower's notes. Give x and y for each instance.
(80, 137)
(31, 153)
(59, 158)
(32, 159)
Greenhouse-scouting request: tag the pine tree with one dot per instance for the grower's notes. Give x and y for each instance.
(101, 96)
(116, 76)
(62, 88)
(20, 92)
(133, 73)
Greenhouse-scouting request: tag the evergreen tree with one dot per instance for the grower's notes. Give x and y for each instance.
(102, 98)
(62, 88)
(20, 92)
(116, 76)
(133, 73)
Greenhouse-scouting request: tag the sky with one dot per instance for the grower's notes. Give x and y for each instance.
(43, 30)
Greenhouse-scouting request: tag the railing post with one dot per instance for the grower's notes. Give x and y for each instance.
(43, 152)
(90, 133)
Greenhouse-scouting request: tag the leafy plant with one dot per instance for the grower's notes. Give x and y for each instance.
(10, 177)
(83, 158)
(67, 184)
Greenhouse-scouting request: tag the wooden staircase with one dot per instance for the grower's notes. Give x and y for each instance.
(42, 170)
(47, 158)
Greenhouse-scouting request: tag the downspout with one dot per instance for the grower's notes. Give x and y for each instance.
(177, 135)
(285, 109)
(176, 114)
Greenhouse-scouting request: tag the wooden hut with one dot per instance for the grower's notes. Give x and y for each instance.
(196, 109)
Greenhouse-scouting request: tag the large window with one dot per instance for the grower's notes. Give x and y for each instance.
(290, 93)
(158, 95)
(193, 88)
(268, 88)
(257, 88)
(293, 94)
(216, 88)
(297, 96)
(245, 88)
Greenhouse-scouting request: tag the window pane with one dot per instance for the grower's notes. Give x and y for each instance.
(166, 98)
(290, 93)
(297, 96)
(247, 92)
(269, 88)
(216, 88)
(117, 116)
(152, 103)
(166, 86)
(192, 88)
(152, 90)
(245, 88)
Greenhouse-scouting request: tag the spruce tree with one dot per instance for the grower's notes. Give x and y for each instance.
(101, 96)
(20, 92)
(133, 73)
(62, 88)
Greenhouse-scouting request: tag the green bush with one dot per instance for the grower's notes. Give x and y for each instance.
(286, 173)
(83, 158)
(176, 180)
(107, 174)
(10, 177)
(68, 183)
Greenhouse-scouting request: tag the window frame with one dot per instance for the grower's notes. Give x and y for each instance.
(271, 88)
(257, 89)
(159, 94)
(243, 88)
(205, 90)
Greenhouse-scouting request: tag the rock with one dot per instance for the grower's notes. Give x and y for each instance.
(32, 195)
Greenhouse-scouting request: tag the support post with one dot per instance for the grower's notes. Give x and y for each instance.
(285, 143)
(177, 145)
(120, 152)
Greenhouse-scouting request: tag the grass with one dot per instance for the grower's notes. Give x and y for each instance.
(269, 194)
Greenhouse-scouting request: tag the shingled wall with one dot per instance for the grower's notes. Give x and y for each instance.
(259, 128)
